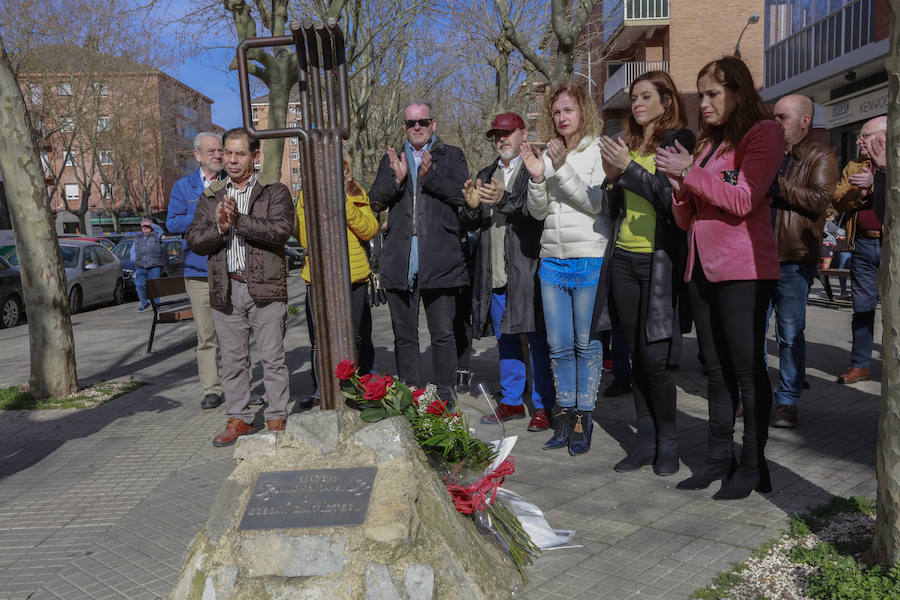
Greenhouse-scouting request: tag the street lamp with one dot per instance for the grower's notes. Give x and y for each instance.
(589, 79)
(754, 18)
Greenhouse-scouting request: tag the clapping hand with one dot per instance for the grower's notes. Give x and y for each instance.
(470, 194)
(878, 149)
(616, 156)
(557, 152)
(862, 180)
(398, 165)
(491, 192)
(534, 163)
(673, 160)
(425, 165)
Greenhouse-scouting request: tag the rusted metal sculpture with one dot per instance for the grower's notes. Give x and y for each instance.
(324, 123)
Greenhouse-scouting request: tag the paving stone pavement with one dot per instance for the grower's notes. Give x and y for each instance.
(103, 503)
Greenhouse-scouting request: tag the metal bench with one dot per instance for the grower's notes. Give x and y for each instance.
(173, 310)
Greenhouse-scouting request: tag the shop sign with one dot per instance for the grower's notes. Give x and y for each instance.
(860, 108)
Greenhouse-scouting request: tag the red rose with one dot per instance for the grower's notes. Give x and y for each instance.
(365, 379)
(345, 369)
(376, 388)
(438, 407)
(388, 381)
(417, 393)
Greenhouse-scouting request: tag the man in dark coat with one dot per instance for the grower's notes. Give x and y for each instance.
(421, 257)
(506, 290)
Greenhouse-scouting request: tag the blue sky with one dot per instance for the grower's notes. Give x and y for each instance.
(206, 70)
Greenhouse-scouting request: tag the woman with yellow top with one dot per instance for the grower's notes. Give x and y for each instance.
(361, 227)
(647, 263)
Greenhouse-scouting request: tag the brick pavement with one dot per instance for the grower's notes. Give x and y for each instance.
(103, 503)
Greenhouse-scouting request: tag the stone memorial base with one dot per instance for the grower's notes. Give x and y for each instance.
(411, 543)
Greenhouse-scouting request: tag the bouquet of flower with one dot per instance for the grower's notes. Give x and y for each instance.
(466, 462)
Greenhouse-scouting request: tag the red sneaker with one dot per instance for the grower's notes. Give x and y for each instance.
(539, 422)
(505, 412)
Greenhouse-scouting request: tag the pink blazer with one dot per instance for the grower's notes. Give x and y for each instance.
(730, 226)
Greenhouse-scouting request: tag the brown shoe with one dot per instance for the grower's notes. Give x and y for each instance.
(276, 424)
(853, 375)
(785, 416)
(539, 422)
(505, 412)
(235, 429)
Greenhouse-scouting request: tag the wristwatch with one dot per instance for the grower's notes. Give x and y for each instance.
(686, 169)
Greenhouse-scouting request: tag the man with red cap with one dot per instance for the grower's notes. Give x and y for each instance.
(506, 298)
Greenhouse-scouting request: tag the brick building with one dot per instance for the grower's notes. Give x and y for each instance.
(290, 161)
(113, 131)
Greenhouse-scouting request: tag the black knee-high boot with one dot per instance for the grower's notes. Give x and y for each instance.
(644, 449)
(720, 462)
(563, 422)
(752, 471)
(666, 461)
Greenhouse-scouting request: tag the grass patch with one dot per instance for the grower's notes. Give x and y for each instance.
(294, 309)
(824, 546)
(19, 398)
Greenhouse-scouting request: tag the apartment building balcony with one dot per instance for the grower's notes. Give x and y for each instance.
(617, 89)
(626, 20)
(824, 54)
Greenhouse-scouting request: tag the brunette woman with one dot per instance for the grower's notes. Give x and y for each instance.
(720, 200)
(647, 265)
(565, 192)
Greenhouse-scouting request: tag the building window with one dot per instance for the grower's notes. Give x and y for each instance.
(71, 191)
(295, 170)
(292, 124)
(64, 89)
(295, 156)
(296, 185)
(293, 141)
(67, 124)
(105, 157)
(101, 89)
(36, 91)
(71, 158)
(103, 124)
(254, 113)
(106, 190)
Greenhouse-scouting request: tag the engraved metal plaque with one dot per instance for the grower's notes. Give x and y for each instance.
(313, 498)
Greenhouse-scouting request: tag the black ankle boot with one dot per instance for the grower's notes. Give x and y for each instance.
(715, 468)
(580, 440)
(563, 421)
(752, 473)
(644, 448)
(666, 461)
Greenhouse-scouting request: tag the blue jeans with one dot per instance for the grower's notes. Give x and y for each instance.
(512, 364)
(141, 276)
(789, 304)
(843, 259)
(576, 358)
(864, 279)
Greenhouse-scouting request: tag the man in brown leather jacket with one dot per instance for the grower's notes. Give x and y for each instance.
(242, 224)
(805, 187)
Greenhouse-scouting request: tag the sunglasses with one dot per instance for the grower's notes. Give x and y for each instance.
(421, 122)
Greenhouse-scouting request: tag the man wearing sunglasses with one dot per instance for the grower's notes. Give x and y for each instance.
(860, 192)
(421, 185)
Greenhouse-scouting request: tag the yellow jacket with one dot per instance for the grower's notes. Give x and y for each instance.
(361, 227)
(849, 199)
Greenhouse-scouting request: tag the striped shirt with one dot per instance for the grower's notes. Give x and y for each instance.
(236, 254)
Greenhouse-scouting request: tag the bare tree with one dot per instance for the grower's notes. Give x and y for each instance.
(51, 343)
(886, 544)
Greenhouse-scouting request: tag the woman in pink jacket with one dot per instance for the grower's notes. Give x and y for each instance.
(720, 199)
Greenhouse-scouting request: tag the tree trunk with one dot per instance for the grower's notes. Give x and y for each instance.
(886, 544)
(279, 82)
(43, 278)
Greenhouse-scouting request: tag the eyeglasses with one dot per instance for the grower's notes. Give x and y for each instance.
(866, 136)
(145, 227)
(421, 122)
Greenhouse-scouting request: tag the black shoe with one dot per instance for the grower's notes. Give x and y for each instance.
(257, 400)
(714, 469)
(211, 401)
(580, 440)
(644, 449)
(752, 474)
(785, 416)
(563, 421)
(618, 387)
(666, 461)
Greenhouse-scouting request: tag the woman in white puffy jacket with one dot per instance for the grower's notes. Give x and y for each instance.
(566, 191)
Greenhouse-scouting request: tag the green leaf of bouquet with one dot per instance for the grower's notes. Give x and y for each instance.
(373, 414)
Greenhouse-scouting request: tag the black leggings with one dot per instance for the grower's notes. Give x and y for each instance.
(362, 326)
(653, 388)
(730, 317)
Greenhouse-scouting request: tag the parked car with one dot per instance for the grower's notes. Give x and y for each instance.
(174, 266)
(12, 305)
(93, 274)
(105, 241)
(294, 257)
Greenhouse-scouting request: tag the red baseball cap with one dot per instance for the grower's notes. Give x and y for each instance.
(506, 122)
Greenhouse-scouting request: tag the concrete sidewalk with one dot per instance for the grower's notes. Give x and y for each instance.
(103, 503)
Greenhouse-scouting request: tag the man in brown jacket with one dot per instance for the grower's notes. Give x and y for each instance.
(805, 187)
(861, 194)
(242, 224)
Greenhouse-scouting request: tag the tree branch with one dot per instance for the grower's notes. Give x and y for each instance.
(519, 41)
